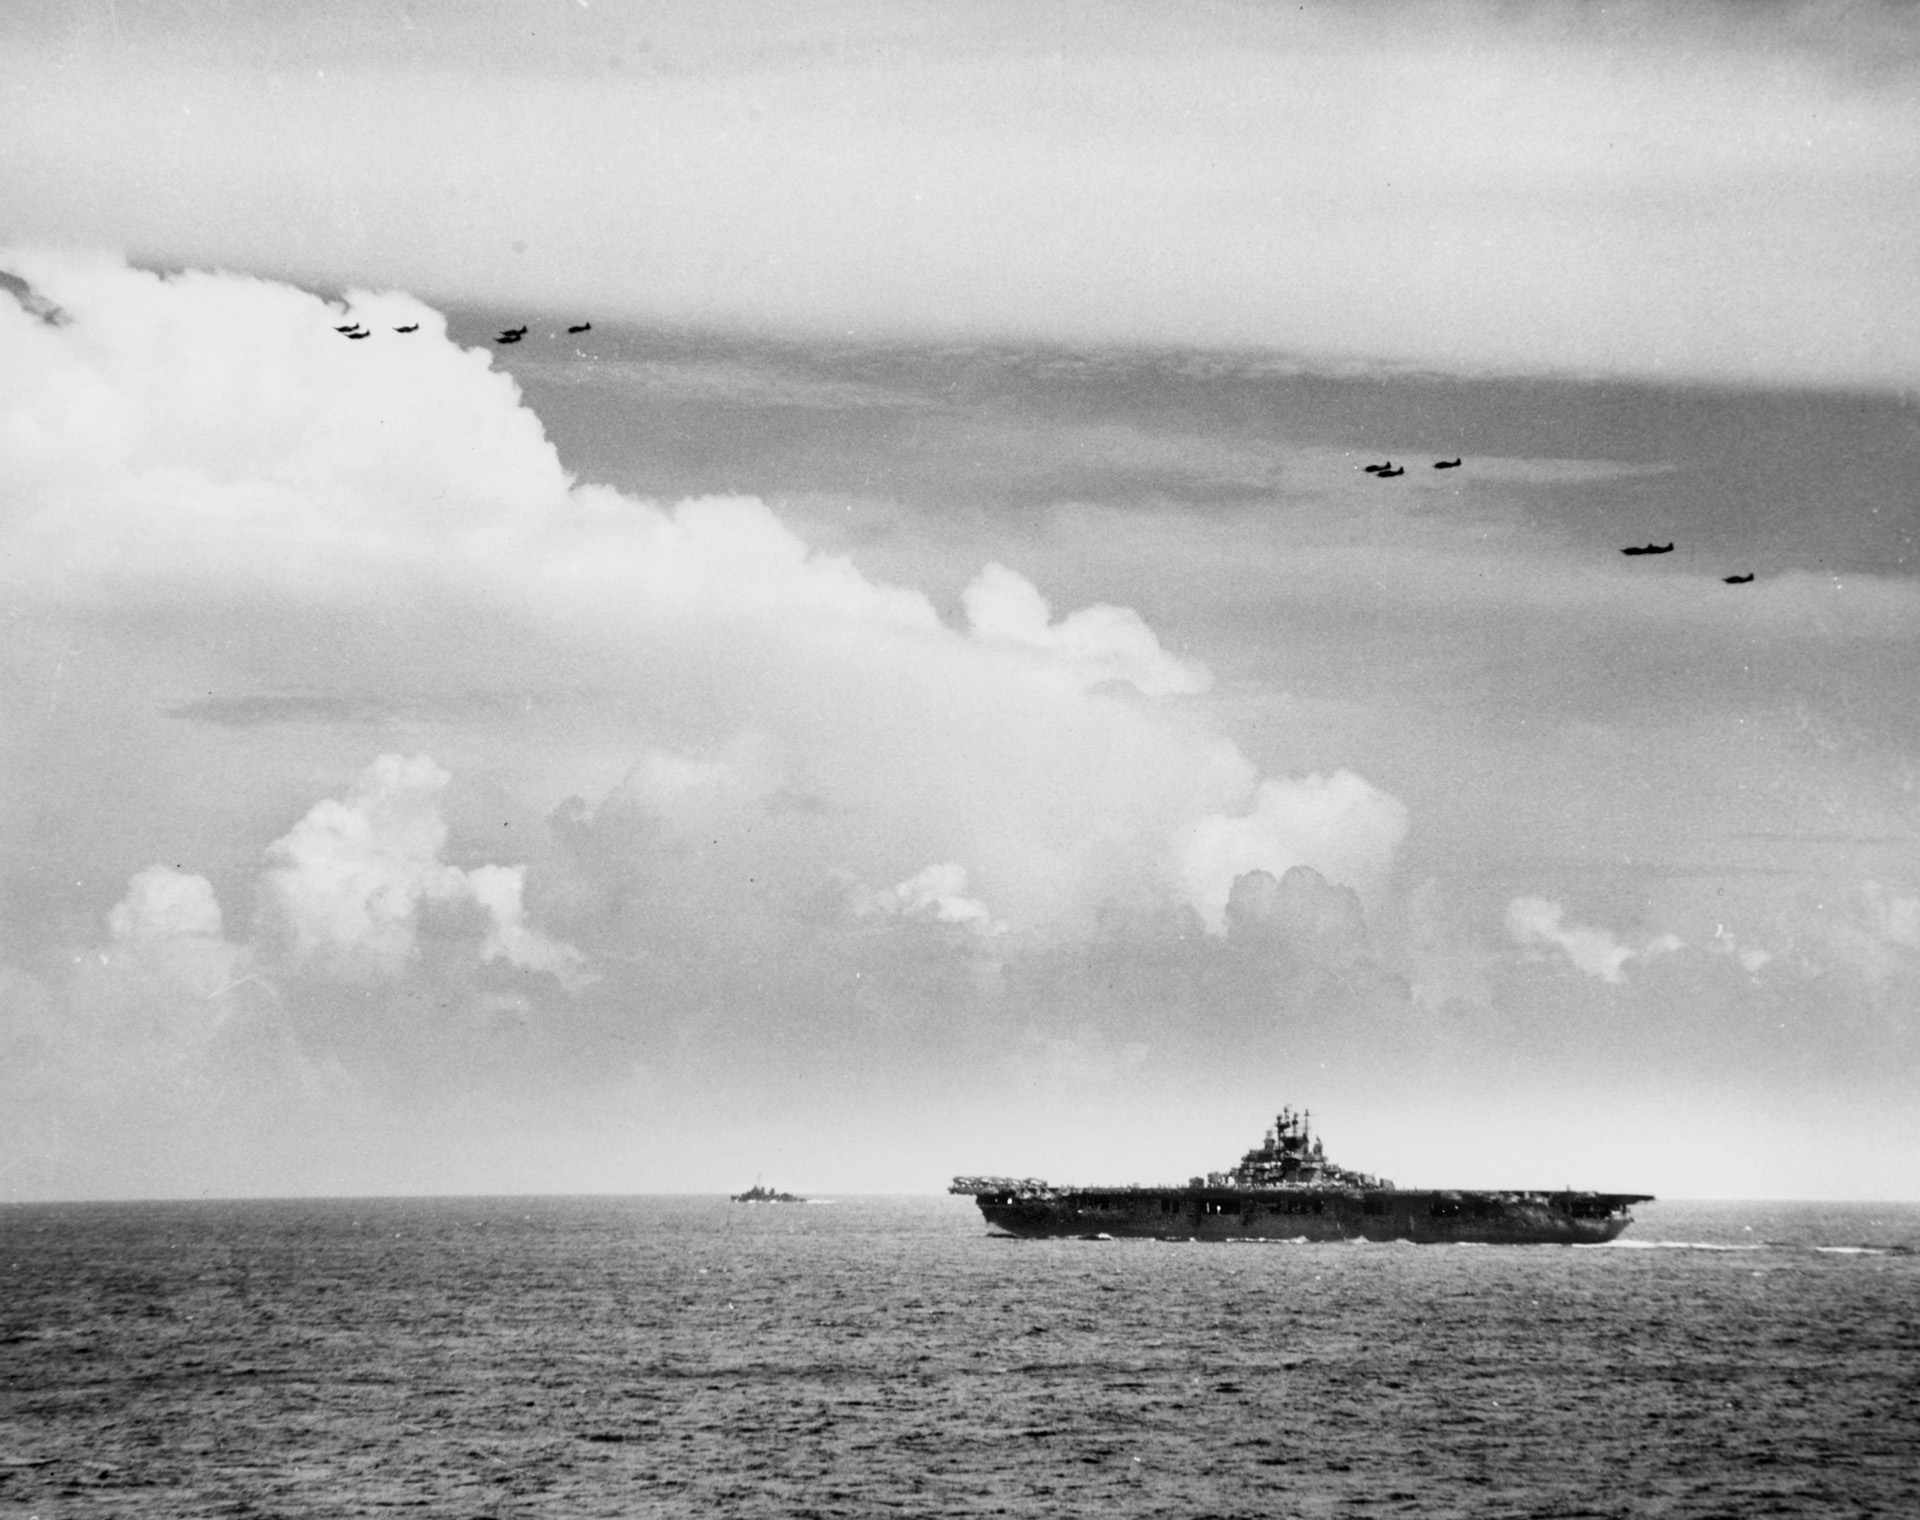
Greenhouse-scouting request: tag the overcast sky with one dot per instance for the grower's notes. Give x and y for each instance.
(924, 684)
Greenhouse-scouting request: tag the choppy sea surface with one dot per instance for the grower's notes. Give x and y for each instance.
(693, 1357)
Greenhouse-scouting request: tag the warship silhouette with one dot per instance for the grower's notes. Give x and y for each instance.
(759, 1194)
(1286, 1189)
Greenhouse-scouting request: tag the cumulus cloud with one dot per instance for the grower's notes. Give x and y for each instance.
(1536, 921)
(164, 902)
(1752, 958)
(167, 967)
(184, 430)
(167, 1058)
(935, 895)
(353, 879)
(1095, 644)
(1301, 912)
(499, 890)
(156, 1060)
(1341, 825)
(682, 789)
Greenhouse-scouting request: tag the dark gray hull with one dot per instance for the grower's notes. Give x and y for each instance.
(1566, 1218)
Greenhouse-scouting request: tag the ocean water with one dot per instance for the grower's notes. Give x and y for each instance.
(691, 1357)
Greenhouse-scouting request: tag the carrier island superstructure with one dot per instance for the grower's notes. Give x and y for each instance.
(1286, 1189)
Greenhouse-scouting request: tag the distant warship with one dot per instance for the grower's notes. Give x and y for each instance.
(759, 1194)
(1286, 1189)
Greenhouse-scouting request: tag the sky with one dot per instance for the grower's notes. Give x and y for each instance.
(924, 682)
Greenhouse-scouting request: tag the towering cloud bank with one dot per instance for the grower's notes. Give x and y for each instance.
(201, 475)
(209, 445)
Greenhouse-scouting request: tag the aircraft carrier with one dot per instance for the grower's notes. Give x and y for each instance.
(1286, 1189)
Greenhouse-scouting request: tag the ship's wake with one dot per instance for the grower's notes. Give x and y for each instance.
(1758, 1245)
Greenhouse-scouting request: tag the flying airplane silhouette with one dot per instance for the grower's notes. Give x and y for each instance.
(356, 337)
(410, 327)
(1737, 580)
(351, 327)
(582, 327)
(512, 335)
(1650, 549)
(1390, 472)
(1446, 464)
(1375, 469)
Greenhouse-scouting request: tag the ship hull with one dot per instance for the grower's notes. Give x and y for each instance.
(1315, 1215)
